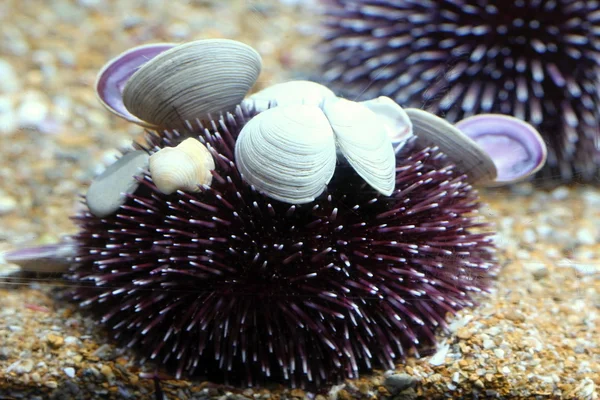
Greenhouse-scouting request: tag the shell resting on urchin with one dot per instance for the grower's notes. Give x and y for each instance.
(229, 284)
(538, 60)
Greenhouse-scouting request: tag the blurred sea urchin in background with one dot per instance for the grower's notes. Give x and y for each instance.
(538, 60)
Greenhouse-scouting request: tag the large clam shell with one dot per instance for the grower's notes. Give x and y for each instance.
(191, 81)
(364, 141)
(286, 93)
(287, 153)
(467, 155)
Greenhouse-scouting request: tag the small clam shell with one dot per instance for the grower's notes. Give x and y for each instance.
(184, 167)
(191, 81)
(396, 121)
(517, 149)
(467, 155)
(287, 153)
(115, 73)
(286, 93)
(364, 141)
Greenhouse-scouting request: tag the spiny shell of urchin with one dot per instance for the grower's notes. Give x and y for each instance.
(232, 286)
(535, 59)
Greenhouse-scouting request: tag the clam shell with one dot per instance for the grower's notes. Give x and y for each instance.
(184, 167)
(397, 124)
(467, 155)
(516, 147)
(286, 93)
(364, 141)
(115, 73)
(287, 153)
(191, 81)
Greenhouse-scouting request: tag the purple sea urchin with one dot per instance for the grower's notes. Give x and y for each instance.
(229, 284)
(538, 60)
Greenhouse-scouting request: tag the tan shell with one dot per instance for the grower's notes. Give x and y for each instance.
(292, 92)
(183, 167)
(287, 153)
(468, 157)
(192, 80)
(364, 141)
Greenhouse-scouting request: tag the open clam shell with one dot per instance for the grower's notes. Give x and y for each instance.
(467, 155)
(364, 141)
(115, 73)
(397, 124)
(292, 92)
(287, 153)
(516, 147)
(191, 81)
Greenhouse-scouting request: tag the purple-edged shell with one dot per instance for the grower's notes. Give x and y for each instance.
(492, 149)
(111, 80)
(517, 149)
(168, 86)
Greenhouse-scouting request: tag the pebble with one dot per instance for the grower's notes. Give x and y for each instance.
(32, 112)
(396, 383)
(105, 194)
(560, 193)
(9, 81)
(7, 204)
(70, 372)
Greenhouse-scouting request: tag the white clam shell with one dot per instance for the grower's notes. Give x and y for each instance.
(364, 141)
(397, 124)
(191, 81)
(287, 153)
(183, 167)
(287, 93)
(467, 155)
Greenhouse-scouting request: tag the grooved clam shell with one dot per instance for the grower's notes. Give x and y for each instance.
(287, 153)
(364, 141)
(292, 92)
(467, 155)
(191, 81)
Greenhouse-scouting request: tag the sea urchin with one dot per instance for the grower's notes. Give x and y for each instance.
(229, 284)
(538, 60)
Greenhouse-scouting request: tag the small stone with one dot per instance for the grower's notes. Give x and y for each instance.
(51, 384)
(344, 395)
(396, 383)
(7, 204)
(585, 237)
(515, 316)
(297, 393)
(488, 344)
(538, 270)
(21, 367)
(32, 112)
(104, 352)
(9, 81)
(107, 372)
(499, 353)
(70, 372)
(560, 193)
(106, 193)
(464, 333)
(55, 340)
